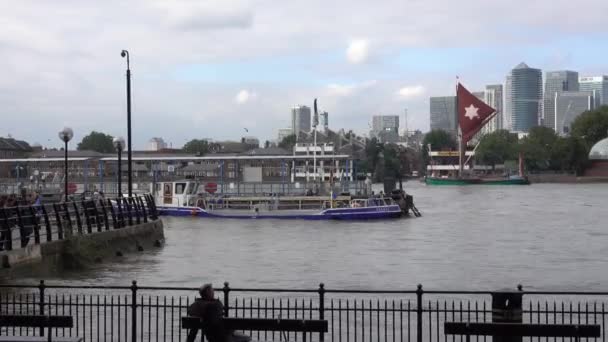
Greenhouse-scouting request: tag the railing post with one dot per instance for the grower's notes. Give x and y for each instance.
(58, 219)
(41, 303)
(87, 217)
(70, 230)
(321, 308)
(121, 215)
(134, 311)
(35, 225)
(129, 212)
(114, 221)
(226, 290)
(143, 208)
(105, 214)
(47, 224)
(419, 293)
(7, 236)
(21, 227)
(96, 215)
(78, 221)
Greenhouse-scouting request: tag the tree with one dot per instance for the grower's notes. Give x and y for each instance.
(266, 144)
(196, 146)
(591, 126)
(98, 142)
(536, 148)
(569, 154)
(288, 142)
(497, 147)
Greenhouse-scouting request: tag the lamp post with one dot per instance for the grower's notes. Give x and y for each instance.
(66, 134)
(119, 145)
(124, 54)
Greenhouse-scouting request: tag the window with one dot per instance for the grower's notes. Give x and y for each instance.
(179, 188)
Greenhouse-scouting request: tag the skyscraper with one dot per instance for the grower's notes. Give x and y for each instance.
(493, 98)
(443, 113)
(568, 105)
(525, 95)
(385, 128)
(598, 87)
(556, 82)
(300, 119)
(324, 120)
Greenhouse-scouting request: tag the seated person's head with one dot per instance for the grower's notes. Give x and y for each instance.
(206, 292)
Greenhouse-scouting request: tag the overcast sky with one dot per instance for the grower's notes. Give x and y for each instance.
(210, 69)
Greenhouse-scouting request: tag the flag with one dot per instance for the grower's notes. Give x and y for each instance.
(473, 113)
(315, 118)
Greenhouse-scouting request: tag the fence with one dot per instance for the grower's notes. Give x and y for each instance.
(134, 313)
(57, 221)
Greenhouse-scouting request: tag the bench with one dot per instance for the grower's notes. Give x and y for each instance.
(521, 330)
(35, 321)
(263, 324)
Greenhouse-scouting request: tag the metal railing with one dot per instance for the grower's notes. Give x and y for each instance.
(57, 221)
(137, 313)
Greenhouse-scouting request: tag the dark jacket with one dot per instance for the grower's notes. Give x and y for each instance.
(210, 311)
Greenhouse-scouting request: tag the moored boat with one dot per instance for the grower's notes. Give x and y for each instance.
(514, 180)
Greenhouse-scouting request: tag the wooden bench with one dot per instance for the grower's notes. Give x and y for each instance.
(263, 324)
(521, 330)
(34, 321)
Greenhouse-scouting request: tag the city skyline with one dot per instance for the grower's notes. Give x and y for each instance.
(214, 68)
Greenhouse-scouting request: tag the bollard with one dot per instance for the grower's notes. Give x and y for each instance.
(506, 308)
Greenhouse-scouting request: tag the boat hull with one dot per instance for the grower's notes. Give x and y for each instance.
(476, 181)
(369, 213)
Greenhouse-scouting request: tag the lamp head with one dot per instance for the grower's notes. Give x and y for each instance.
(66, 134)
(123, 53)
(119, 143)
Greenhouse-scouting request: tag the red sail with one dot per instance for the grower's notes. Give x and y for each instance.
(473, 113)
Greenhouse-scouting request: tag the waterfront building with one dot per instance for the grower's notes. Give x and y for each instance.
(156, 144)
(555, 83)
(443, 113)
(524, 95)
(598, 159)
(283, 133)
(300, 119)
(598, 87)
(567, 106)
(493, 98)
(385, 128)
(324, 120)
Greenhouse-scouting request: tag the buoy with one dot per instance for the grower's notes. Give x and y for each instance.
(118, 253)
(157, 243)
(140, 248)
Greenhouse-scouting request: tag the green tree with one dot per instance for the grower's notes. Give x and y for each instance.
(536, 148)
(569, 154)
(288, 142)
(196, 146)
(591, 126)
(496, 148)
(97, 141)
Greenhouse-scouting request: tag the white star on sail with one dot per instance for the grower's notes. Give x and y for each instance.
(471, 112)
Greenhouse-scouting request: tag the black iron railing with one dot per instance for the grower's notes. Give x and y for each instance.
(135, 313)
(57, 221)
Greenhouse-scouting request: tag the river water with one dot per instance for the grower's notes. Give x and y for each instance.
(544, 236)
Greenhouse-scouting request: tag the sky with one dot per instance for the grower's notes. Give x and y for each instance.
(213, 68)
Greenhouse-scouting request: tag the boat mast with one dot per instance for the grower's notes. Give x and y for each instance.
(460, 139)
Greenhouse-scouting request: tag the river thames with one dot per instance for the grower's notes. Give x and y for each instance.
(544, 236)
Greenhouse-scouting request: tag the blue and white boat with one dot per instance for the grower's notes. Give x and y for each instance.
(182, 198)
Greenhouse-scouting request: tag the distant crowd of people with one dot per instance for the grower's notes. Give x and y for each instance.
(13, 206)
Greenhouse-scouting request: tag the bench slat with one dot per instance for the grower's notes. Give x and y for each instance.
(519, 329)
(263, 324)
(36, 321)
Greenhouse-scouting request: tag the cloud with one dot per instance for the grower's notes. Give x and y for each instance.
(358, 51)
(348, 89)
(244, 96)
(410, 92)
(189, 15)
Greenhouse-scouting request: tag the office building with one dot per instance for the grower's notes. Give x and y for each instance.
(300, 119)
(443, 113)
(556, 82)
(598, 87)
(385, 128)
(284, 133)
(524, 94)
(493, 98)
(567, 106)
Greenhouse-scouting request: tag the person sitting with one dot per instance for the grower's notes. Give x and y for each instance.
(210, 311)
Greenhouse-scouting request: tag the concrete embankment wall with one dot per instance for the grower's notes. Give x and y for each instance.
(564, 178)
(79, 250)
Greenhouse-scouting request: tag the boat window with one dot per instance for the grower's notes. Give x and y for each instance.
(191, 188)
(157, 187)
(179, 188)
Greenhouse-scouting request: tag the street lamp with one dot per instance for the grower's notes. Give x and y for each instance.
(119, 145)
(125, 53)
(66, 134)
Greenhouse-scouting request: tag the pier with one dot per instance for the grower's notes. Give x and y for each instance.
(76, 230)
